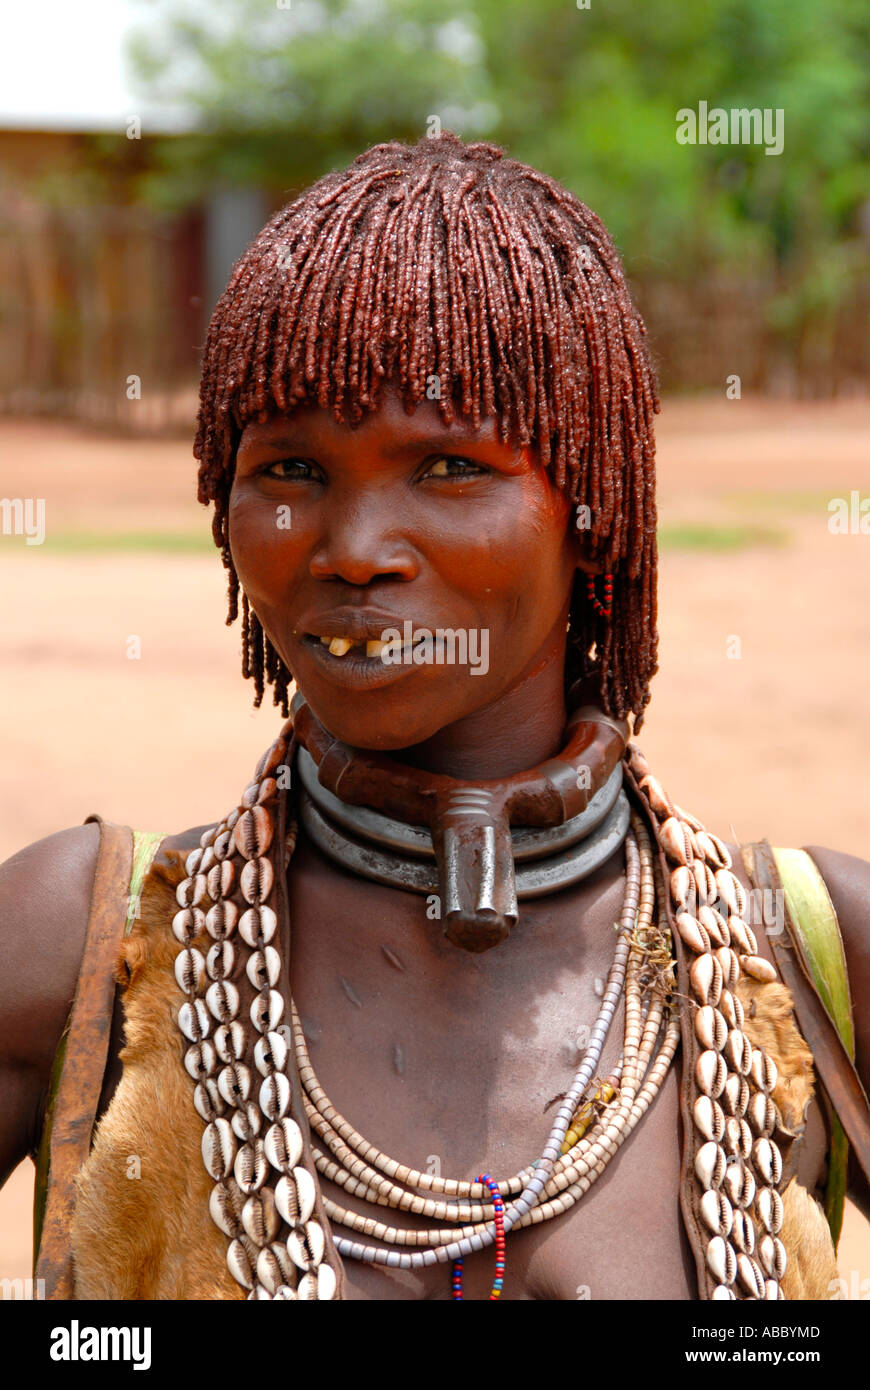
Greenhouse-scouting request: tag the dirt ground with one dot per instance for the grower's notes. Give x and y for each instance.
(758, 717)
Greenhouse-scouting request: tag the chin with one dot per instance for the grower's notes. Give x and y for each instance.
(376, 733)
(382, 721)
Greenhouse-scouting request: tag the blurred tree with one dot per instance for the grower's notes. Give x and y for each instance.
(282, 94)
(591, 95)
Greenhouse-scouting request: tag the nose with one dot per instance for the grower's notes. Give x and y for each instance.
(364, 542)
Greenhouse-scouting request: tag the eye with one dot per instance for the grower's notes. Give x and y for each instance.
(286, 470)
(453, 466)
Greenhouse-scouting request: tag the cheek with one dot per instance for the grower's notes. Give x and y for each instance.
(267, 552)
(518, 559)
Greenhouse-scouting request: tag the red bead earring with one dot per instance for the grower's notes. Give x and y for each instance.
(604, 609)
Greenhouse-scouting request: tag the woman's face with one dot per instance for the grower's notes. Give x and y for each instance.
(386, 532)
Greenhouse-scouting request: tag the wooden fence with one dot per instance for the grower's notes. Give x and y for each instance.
(101, 313)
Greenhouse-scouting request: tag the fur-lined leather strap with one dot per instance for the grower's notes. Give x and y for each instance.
(834, 1066)
(74, 1105)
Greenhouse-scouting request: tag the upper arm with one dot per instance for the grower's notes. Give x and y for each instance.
(848, 883)
(45, 895)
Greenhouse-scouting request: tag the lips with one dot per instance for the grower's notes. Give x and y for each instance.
(356, 648)
(368, 649)
(358, 633)
(355, 624)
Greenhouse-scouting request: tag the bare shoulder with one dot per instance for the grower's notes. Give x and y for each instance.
(45, 894)
(45, 900)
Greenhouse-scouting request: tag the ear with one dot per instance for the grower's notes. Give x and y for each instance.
(580, 524)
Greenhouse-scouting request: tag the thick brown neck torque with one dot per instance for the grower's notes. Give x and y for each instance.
(470, 822)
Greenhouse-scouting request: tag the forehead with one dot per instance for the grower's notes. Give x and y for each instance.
(391, 422)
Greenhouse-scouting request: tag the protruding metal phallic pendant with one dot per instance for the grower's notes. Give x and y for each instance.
(473, 847)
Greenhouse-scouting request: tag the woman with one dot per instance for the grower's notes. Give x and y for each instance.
(426, 428)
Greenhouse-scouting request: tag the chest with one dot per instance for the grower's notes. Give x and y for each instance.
(454, 1064)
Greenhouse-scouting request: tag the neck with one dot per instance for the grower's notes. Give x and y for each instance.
(470, 826)
(521, 729)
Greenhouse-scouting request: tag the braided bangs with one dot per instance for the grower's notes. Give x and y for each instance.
(468, 278)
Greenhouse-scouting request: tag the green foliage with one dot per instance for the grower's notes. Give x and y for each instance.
(589, 95)
(283, 95)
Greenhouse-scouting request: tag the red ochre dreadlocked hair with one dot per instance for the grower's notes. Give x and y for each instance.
(465, 276)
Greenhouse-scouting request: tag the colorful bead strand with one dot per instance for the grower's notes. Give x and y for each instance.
(605, 609)
(498, 1216)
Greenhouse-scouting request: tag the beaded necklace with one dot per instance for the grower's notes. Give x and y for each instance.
(264, 1198)
(498, 1212)
(556, 1179)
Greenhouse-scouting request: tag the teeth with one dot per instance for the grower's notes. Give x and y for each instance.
(340, 646)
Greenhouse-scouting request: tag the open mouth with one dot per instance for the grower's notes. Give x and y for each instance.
(341, 646)
(365, 663)
(366, 649)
